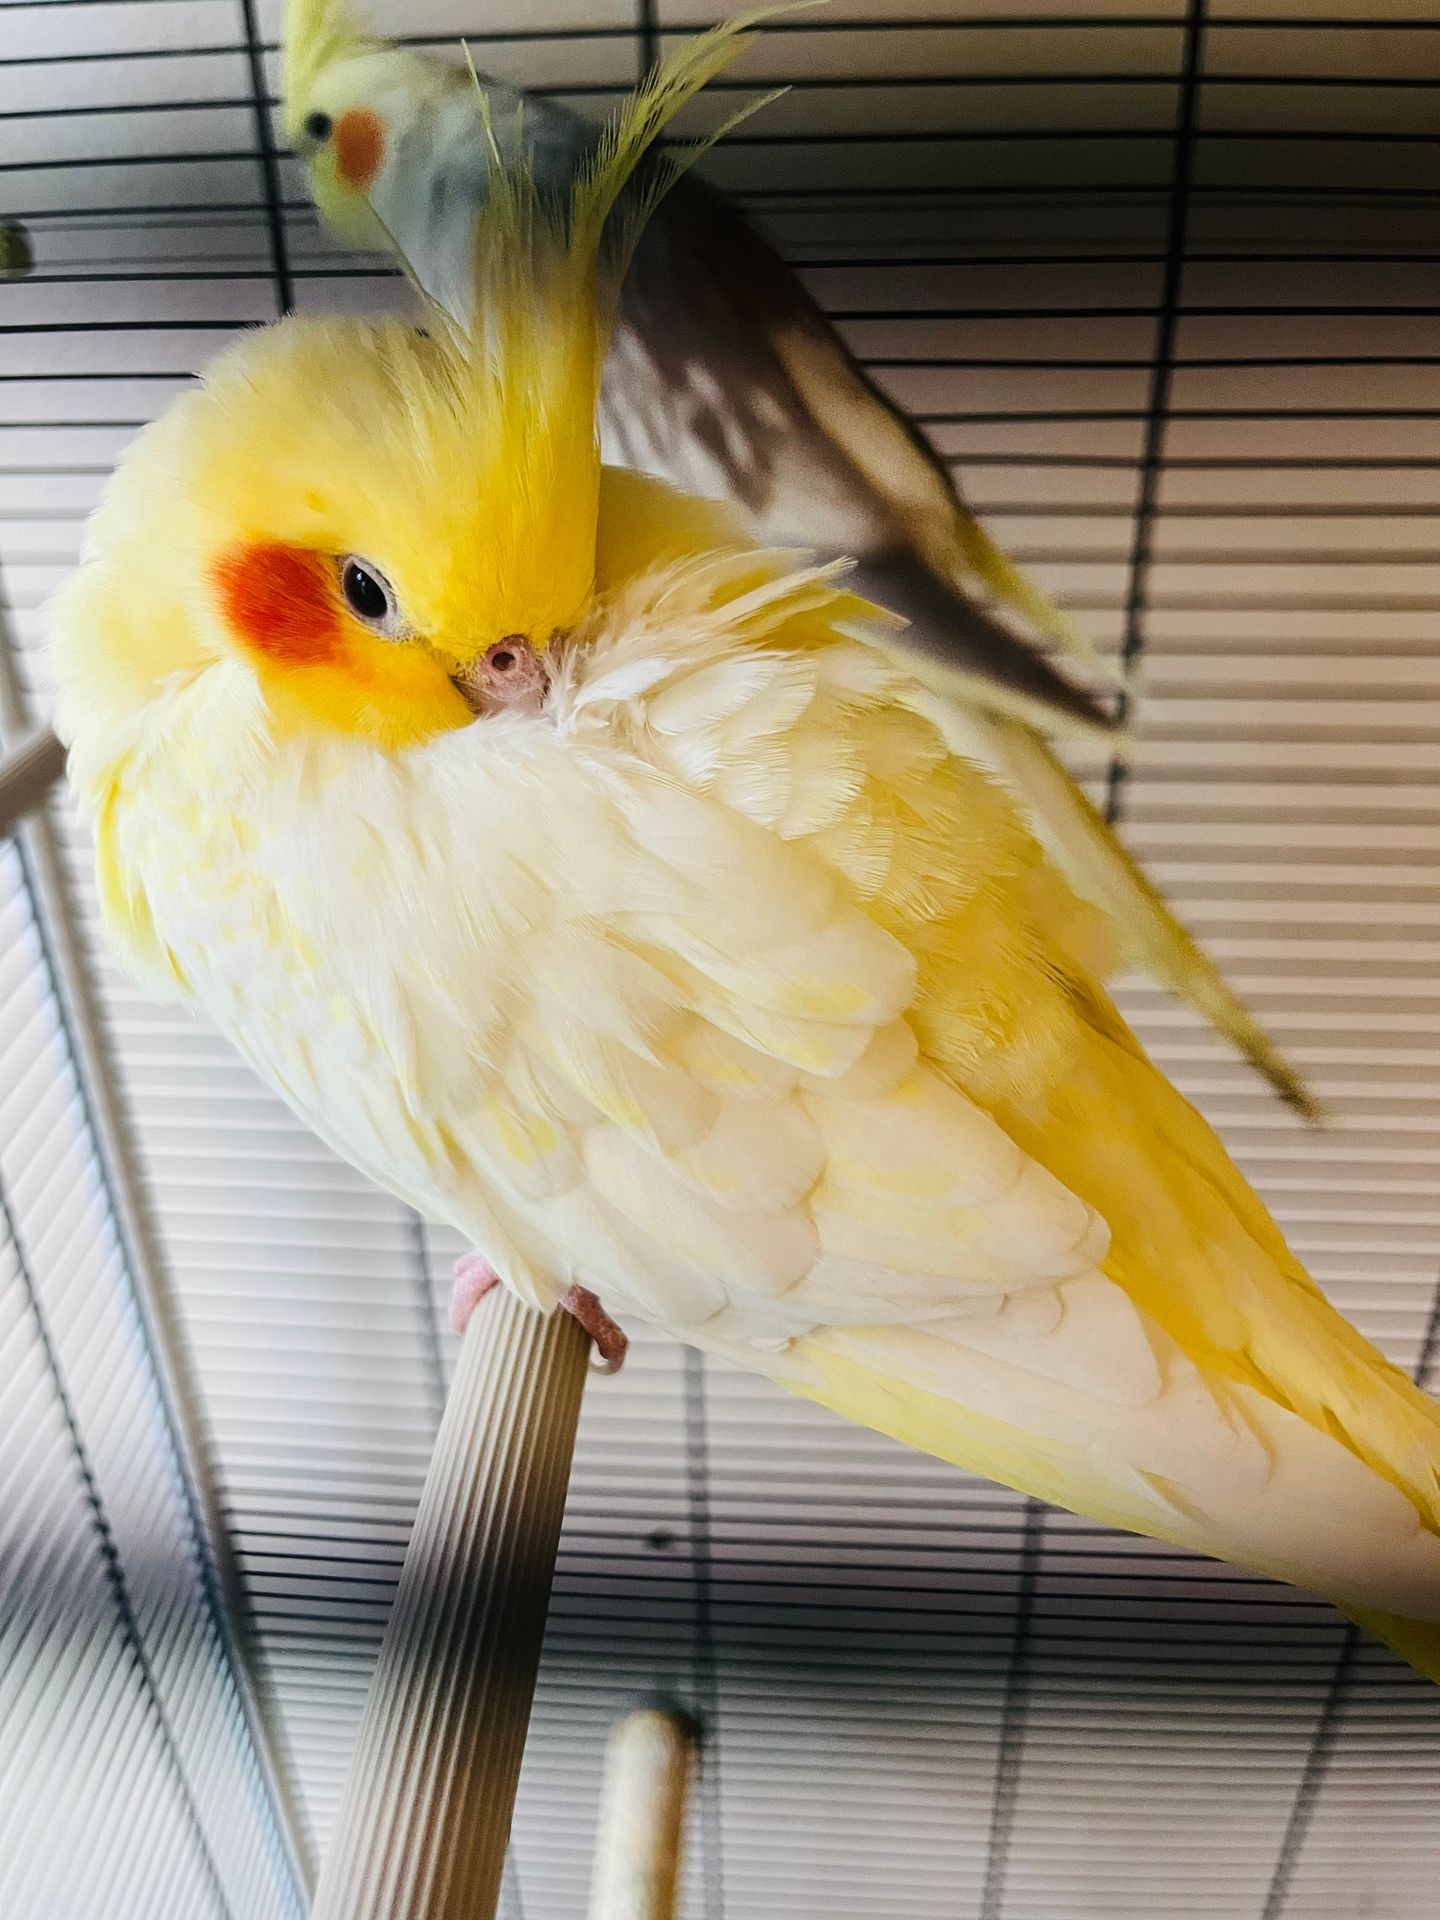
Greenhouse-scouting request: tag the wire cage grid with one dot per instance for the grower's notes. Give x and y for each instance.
(1162, 281)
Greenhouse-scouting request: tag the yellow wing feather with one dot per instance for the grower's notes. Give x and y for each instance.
(1199, 1388)
(1005, 1009)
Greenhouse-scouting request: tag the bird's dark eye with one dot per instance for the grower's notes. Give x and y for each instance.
(318, 126)
(366, 595)
(370, 597)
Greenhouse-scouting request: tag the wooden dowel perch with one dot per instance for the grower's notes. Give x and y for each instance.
(17, 255)
(648, 1766)
(426, 1815)
(26, 775)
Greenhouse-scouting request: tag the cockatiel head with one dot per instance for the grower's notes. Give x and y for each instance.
(398, 143)
(355, 109)
(402, 147)
(372, 529)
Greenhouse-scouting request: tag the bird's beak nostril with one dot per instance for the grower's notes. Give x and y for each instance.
(509, 677)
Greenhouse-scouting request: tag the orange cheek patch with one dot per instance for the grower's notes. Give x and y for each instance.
(281, 602)
(359, 141)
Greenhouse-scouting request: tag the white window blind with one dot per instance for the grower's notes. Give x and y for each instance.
(1163, 280)
(127, 1785)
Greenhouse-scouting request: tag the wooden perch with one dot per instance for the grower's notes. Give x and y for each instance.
(27, 774)
(426, 1814)
(642, 1815)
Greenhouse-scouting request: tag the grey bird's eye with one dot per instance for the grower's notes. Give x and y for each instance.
(370, 596)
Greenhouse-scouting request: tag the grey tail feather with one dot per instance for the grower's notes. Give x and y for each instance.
(972, 646)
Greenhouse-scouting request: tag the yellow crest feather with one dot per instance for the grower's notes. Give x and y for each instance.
(316, 33)
(547, 269)
(533, 248)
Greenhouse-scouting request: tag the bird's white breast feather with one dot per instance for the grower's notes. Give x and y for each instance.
(572, 984)
(589, 987)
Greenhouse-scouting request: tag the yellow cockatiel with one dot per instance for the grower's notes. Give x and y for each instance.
(589, 879)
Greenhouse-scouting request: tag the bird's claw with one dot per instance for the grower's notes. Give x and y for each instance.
(611, 1343)
(475, 1277)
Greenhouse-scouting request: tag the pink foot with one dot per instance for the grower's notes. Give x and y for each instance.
(610, 1343)
(475, 1277)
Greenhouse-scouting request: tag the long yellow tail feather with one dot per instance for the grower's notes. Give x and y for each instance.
(1416, 1641)
(1010, 583)
(1097, 864)
(1084, 1474)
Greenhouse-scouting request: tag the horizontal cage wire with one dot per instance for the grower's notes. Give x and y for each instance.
(1161, 281)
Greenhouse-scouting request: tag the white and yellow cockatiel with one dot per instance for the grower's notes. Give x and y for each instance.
(591, 880)
(725, 379)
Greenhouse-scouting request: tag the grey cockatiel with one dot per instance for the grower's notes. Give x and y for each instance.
(725, 378)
